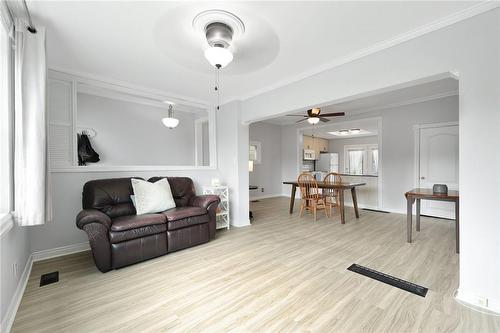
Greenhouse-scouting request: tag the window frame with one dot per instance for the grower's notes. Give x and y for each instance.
(367, 158)
(258, 152)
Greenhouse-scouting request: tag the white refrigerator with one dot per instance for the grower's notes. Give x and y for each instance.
(328, 162)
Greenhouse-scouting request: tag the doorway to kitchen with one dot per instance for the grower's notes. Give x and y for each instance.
(351, 148)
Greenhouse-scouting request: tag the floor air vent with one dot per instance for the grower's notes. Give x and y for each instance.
(388, 279)
(49, 278)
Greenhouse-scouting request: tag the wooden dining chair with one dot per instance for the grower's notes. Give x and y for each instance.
(311, 197)
(331, 195)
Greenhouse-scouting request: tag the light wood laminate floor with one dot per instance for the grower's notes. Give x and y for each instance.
(281, 274)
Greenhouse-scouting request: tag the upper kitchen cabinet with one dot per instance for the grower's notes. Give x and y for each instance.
(317, 144)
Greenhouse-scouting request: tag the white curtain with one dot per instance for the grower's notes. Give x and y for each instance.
(31, 182)
(356, 162)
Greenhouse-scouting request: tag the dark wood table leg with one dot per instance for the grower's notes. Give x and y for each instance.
(409, 212)
(355, 202)
(417, 218)
(342, 210)
(457, 226)
(292, 198)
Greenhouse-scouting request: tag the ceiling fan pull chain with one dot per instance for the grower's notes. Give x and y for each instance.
(217, 83)
(218, 88)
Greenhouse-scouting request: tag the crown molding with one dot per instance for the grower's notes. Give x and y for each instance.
(444, 22)
(127, 87)
(407, 102)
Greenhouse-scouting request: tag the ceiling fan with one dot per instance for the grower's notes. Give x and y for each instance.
(314, 116)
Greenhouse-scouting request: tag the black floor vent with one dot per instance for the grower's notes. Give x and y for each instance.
(49, 278)
(388, 279)
(376, 210)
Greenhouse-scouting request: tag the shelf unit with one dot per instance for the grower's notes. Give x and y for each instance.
(222, 217)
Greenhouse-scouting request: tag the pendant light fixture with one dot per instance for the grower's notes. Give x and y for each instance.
(170, 121)
(220, 28)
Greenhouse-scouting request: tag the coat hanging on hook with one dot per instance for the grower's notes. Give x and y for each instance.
(85, 151)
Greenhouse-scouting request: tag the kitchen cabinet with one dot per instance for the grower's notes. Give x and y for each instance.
(317, 144)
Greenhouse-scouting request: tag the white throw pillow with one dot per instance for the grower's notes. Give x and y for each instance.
(152, 197)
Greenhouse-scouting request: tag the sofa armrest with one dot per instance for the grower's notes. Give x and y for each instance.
(204, 201)
(97, 224)
(209, 202)
(88, 216)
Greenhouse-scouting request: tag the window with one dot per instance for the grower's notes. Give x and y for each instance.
(355, 161)
(6, 110)
(254, 152)
(373, 160)
(361, 159)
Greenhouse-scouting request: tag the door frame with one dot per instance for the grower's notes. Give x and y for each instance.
(416, 151)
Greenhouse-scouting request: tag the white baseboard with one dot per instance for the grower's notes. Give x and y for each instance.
(245, 223)
(60, 251)
(266, 196)
(472, 300)
(10, 315)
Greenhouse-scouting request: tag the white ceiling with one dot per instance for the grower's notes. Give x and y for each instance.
(395, 97)
(152, 44)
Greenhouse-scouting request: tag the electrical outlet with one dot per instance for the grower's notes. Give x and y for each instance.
(262, 190)
(482, 301)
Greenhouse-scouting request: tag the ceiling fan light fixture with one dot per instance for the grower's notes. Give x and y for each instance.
(218, 56)
(313, 120)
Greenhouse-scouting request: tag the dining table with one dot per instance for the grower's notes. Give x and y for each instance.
(342, 186)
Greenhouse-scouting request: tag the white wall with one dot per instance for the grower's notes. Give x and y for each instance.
(267, 174)
(132, 134)
(232, 137)
(470, 49)
(14, 249)
(337, 145)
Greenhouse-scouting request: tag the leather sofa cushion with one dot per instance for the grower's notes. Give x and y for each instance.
(128, 222)
(181, 217)
(110, 196)
(120, 236)
(180, 213)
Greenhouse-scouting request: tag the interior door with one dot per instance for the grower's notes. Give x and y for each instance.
(438, 164)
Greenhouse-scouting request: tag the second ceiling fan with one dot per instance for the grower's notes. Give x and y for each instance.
(314, 116)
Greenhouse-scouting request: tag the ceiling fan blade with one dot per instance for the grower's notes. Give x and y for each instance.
(334, 114)
(324, 119)
(294, 115)
(301, 120)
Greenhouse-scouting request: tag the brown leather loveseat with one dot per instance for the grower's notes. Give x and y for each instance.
(118, 237)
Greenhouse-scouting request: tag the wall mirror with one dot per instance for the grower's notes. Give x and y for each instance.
(124, 128)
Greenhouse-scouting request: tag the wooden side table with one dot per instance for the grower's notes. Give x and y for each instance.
(418, 194)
